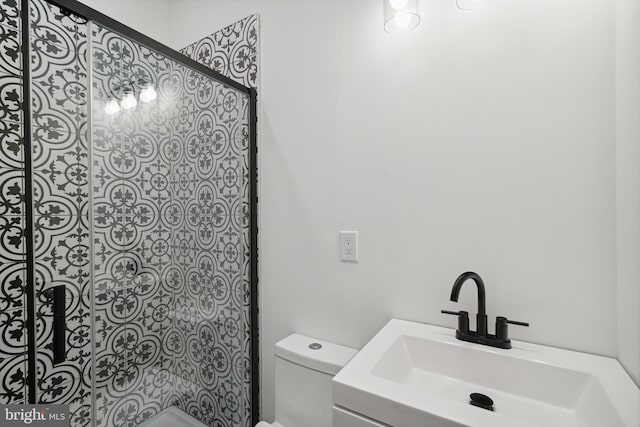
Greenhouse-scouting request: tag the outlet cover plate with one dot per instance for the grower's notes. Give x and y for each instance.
(349, 246)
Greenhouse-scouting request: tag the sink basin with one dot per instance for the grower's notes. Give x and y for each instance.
(414, 374)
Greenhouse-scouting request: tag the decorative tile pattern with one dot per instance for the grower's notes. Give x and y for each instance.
(13, 335)
(10, 95)
(233, 52)
(168, 235)
(60, 160)
(10, 14)
(134, 377)
(11, 147)
(62, 253)
(59, 112)
(13, 374)
(69, 381)
(167, 182)
(112, 384)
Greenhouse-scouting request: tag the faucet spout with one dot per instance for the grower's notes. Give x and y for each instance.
(457, 285)
(481, 334)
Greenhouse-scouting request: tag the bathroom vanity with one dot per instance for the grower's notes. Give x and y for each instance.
(414, 374)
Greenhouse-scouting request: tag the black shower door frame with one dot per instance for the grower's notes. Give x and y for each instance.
(90, 14)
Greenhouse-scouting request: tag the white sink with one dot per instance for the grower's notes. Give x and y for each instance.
(413, 374)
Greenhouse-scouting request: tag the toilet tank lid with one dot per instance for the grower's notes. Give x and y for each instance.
(329, 358)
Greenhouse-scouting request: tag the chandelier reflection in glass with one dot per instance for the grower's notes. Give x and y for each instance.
(129, 101)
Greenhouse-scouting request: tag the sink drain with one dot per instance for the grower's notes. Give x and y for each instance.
(481, 401)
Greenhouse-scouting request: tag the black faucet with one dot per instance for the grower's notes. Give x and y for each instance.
(481, 336)
(481, 316)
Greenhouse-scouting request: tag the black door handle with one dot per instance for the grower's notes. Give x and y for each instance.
(58, 301)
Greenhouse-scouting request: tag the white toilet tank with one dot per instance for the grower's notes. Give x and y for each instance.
(303, 380)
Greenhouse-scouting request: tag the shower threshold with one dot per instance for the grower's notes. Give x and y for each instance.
(172, 417)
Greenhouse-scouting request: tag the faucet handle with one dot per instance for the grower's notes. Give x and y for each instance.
(463, 320)
(455, 313)
(513, 322)
(502, 332)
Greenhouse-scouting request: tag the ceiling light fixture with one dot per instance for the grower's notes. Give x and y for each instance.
(400, 16)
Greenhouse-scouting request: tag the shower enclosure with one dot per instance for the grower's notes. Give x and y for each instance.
(128, 224)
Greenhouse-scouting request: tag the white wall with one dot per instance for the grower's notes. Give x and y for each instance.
(150, 17)
(483, 141)
(628, 177)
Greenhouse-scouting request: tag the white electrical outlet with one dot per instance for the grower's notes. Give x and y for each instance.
(349, 246)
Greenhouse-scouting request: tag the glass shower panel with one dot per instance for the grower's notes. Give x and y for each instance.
(13, 315)
(134, 366)
(139, 169)
(61, 227)
(167, 238)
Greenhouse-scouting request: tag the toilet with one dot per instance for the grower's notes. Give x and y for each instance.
(304, 370)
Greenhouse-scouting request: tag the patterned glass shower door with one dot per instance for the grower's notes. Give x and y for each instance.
(57, 94)
(168, 207)
(140, 216)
